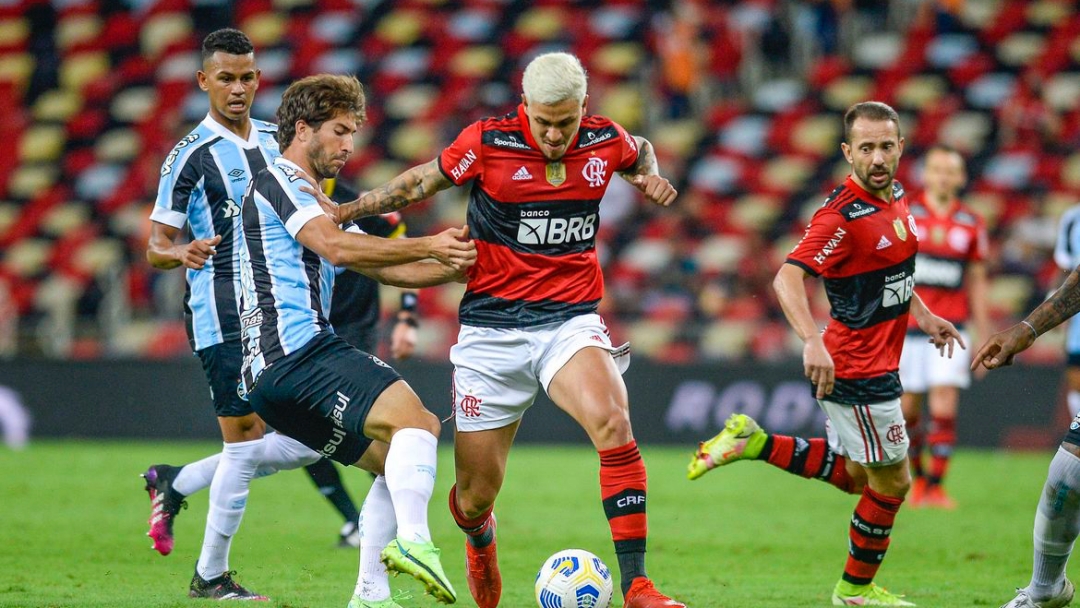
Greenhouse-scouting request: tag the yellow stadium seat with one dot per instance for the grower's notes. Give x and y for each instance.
(919, 91)
(28, 256)
(16, 68)
(79, 28)
(476, 61)
(623, 104)
(842, 92)
(1021, 48)
(1047, 13)
(99, 255)
(164, 29)
(650, 337)
(9, 212)
(80, 69)
(57, 105)
(619, 58)
(29, 181)
(265, 29)
(41, 143)
(818, 135)
(118, 146)
(401, 27)
(756, 212)
(726, 339)
(414, 142)
(720, 253)
(134, 104)
(542, 23)
(412, 100)
(14, 31)
(62, 219)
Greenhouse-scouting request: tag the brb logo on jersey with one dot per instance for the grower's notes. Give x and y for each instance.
(898, 289)
(595, 171)
(538, 229)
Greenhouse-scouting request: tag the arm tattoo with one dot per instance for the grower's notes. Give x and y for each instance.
(646, 160)
(1059, 307)
(410, 187)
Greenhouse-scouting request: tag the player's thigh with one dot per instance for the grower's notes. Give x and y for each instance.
(873, 435)
(398, 407)
(912, 405)
(493, 382)
(590, 389)
(914, 363)
(480, 464)
(954, 371)
(222, 364)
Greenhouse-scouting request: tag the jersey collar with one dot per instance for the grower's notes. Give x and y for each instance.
(217, 128)
(863, 194)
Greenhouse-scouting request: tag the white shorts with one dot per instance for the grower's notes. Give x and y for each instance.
(923, 366)
(872, 435)
(497, 372)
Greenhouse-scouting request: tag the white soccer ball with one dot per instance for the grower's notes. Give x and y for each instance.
(573, 578)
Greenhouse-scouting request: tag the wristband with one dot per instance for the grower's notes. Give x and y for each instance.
(409, 302)
(1031, 327)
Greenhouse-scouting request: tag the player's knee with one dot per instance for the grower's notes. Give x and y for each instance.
(474, 499)
(610, 426)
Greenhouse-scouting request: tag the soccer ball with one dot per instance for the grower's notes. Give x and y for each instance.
(573, 578)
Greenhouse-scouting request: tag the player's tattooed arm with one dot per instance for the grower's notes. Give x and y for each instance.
(1059, 307)
(645, 175)
(1003, 346)
(412, 186)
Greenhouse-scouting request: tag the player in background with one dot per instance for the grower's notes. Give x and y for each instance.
(862, 242)
(304, 379)
(529, 312)
(950, 276)
(1067, 257)
(1057, 518)
(202, 183)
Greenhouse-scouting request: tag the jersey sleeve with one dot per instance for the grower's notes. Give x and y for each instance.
(180, 183)
(460, 161)
(630, 151)
(1064, 253)
(824, 245)
(294, 206)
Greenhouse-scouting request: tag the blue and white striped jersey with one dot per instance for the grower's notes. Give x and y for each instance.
(203, 181)
(1067, 257)
(286, 286)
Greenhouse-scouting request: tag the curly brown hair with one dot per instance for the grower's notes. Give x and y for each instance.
(317, 99)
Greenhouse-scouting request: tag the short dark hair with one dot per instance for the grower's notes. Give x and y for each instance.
(226, 40)
(946, 148)
(317, 99)
(871, 110)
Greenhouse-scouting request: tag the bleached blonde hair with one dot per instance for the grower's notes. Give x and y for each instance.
(554, 77)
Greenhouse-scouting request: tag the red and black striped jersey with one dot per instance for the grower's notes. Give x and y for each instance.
(534, 221)
(947, 244)
(864, 248)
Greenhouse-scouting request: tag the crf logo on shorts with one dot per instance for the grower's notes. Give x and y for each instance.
(895, 434)
(470, 406)
(556, 230)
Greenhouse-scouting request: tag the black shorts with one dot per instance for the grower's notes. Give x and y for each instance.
(321, 394)
(222, 363)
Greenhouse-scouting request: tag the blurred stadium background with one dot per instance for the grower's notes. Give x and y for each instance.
(742, 100)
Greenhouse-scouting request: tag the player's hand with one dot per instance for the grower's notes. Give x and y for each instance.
(1000, 349)
(402, 340)
(818, 366)
(329, 207)
(453, 248)
(942, 334)
(657, 189)
(195, 253)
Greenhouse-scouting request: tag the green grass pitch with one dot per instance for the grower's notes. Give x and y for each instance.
(73, 522)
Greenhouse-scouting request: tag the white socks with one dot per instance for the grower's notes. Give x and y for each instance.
(1057, 523)
(378, 526)
(281, 453)
(228, 498)
(410, 477)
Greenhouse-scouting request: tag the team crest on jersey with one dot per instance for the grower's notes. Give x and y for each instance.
(595, 171)
(555, 173)
(901, 231)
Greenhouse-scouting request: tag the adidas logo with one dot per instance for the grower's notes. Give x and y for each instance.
(883, 243)
(522, 174)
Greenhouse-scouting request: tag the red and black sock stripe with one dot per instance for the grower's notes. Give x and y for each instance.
(941, 438)
(479, 531)
(871, 529)
(809, 458)
(623, 486)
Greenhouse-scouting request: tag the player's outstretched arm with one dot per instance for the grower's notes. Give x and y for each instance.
(1000, 349)
(645, 175)
(942, 333)
(817, 362)
(163, 253)
(412, 186)
(362, 251)
(416, 275)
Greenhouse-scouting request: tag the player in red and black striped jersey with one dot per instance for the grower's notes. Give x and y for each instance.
(529, 312)
(862, 243)
(950, 277)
